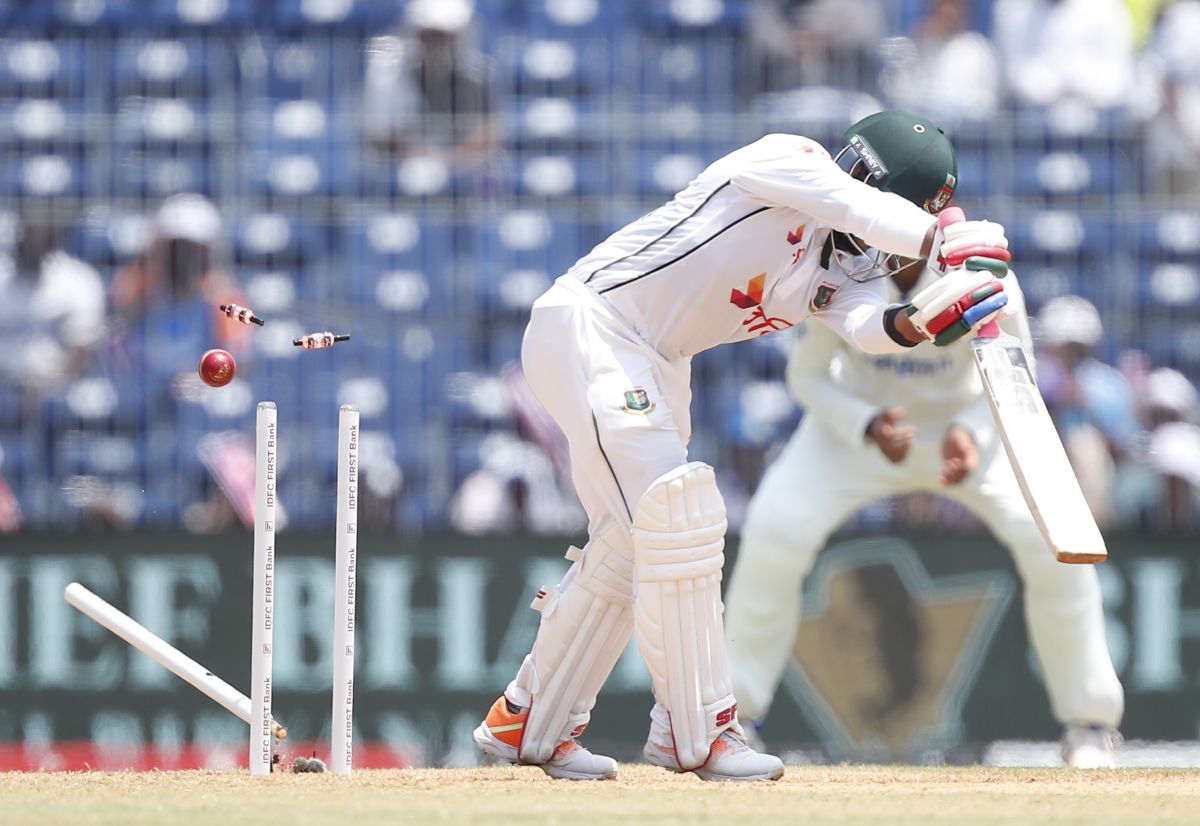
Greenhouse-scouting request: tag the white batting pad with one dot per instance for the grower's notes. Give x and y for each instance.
(678, 541)
(586, 623)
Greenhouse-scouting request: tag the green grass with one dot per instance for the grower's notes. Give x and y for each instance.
(922, 796)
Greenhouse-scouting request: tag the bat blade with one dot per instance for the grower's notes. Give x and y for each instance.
(1036, 452)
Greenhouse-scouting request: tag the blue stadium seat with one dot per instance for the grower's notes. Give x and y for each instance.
(702, 72)
(42, 174)
(47, 124)
(573, 19)
(689, 16)
(555, 66)
(1169, 236)
(1171, 287)
(34, 67)
(173, 67)
(1069, 173)
(155, 174)
(169, 120)
(292, 15)
(202, 13)
(1058, 235)
(305, 67)
(545, 123)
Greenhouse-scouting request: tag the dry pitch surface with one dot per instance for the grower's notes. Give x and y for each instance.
(807, 795)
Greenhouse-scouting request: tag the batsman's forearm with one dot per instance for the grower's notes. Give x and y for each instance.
(904, 327)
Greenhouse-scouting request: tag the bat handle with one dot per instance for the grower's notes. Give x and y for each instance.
(952, 215)
(989, 330)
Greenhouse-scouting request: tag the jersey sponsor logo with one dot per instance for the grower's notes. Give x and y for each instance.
(904, 366)
(796, 240)
(753, 295)
(761, 323)
(876, 166)
(824, 295)
(637, 402)
(942, 197)
(758, 321)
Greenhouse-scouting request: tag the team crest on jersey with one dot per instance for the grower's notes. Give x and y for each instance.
(824, 295)
(938, 202)
(637, 401)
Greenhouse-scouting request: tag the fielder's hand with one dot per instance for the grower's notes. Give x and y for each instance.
(960, 455)
(893, 439)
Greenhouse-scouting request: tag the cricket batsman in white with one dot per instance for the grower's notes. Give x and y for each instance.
(878, 426)
(763, 238)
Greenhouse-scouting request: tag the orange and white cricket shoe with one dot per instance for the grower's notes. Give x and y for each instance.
(499, 735)
(729, 757)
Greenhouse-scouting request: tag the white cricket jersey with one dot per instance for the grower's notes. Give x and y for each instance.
(738, 253)
(936, 386)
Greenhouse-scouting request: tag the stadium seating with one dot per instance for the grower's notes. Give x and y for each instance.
(606, 109)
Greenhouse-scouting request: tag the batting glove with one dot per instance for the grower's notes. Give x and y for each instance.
(976, 245)
(961, 301)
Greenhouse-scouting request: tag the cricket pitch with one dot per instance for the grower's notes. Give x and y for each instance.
(812, 795)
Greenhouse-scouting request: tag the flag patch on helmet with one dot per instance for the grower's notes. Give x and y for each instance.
(938, 202)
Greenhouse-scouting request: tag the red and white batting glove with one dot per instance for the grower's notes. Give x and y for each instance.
(958, 241)
(970, 294)
(961, 301)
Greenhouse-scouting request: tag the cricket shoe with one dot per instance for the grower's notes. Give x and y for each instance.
(499, 735)
(730, 758)
(1089, 747)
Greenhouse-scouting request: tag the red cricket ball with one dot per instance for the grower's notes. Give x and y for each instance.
(217, 368)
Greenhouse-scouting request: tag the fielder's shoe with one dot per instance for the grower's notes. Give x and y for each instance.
(499, 735)
(1089, 747)
(729, 757)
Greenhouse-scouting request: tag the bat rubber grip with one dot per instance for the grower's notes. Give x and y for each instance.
(989, 330)
(951, 215)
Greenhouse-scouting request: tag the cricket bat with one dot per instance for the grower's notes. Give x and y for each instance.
(1036, 452)
(1031, 441)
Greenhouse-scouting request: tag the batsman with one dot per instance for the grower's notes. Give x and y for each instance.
(765, 237)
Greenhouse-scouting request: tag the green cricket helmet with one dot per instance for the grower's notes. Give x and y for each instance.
(903, 153)
(897, 152)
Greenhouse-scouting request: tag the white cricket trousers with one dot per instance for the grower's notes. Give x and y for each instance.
(818, 481)
(624, 410)
(580, 359)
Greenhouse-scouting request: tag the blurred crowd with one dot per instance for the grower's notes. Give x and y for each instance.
(81, 333)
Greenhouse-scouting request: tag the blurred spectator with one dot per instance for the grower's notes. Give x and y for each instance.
(947, 71)
(515, 489)
(165, 302)
(429, 93)
(1163, 492)
(1064, 51)
(1091, 402)
(798, 44)
(1173, 137)
(53, 315)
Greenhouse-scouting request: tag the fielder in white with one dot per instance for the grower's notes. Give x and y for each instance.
(761, 239)
(877, 426)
